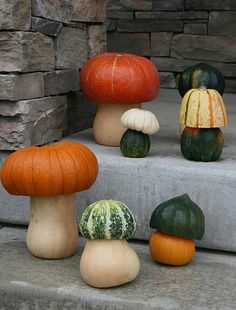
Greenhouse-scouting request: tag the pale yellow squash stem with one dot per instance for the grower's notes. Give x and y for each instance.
(52, 231)
(108, 263)
(107, 127)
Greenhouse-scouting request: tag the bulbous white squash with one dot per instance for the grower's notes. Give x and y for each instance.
(108, 263)
(140, 120)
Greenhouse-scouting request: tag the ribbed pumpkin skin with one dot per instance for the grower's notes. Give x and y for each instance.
(135, 144)
(199, 75)
(171, 250)
(51, 170)
(140, 120)
(180, 217)
(119, 78)
(203, 108)
(202, 144)
(107, 219)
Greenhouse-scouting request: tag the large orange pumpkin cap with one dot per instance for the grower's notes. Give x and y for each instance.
(59, 169)
(119, 78)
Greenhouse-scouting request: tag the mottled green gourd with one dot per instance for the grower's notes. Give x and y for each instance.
(135, 144)
(180, 217)
(202, 144)
(199, 75)
(107, 219)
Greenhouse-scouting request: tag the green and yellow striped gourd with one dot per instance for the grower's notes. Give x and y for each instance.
(107, 219)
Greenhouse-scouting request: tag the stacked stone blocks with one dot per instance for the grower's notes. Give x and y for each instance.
(43, 45)
(176, 34)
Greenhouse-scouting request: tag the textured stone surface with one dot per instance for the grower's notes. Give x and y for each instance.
(89, 10)
(78, 25)
(45, 26)
(208, 30)
(194, 28)
(71, 48)
(160, 43)
(61, 81)
(137, 5)
(101, 11)
(120, 14)
(210, 5)
(15, 14)
(167, 80)
(80, 113)
(170, 5)
(35, 121)
(111, 25)
(96, 39)
(137, 43)
(28, 282)
(222, 23)
(26, 51)
(84, 10)
(57, 10)
(144, 183)
(187, 15)
(149, 25)
(204, 47)
(21, 86)
(230, 86)
(179, 65)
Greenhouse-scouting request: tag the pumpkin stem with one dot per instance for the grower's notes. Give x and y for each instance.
(108, 263)
(52, 231)
(107, 127)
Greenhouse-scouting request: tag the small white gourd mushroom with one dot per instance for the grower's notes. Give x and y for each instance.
(135, 142)
(108, 260)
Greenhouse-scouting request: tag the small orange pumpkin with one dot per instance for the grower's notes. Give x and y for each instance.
(111, 78)
(171, 250)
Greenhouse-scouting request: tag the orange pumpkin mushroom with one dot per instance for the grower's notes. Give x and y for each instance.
(117, 82)
(51, 175)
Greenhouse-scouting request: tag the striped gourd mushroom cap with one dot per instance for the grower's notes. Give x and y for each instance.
(107, 219)
(203, 108)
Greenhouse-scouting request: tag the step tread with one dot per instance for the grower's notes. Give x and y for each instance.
(165, 149)
(208, 282)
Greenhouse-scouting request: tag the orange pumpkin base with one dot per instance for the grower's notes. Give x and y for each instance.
(107, 127)
(171, 250)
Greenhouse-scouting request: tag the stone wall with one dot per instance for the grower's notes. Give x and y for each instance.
(176, 34)
(43, 45)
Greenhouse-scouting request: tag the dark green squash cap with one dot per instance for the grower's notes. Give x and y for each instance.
(201, 74)
(180, 217)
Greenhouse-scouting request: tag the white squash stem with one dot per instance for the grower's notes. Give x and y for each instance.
(108, 263)
(107, 127)
(53, 231)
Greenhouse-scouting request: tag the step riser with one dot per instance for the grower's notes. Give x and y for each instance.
(142, 195)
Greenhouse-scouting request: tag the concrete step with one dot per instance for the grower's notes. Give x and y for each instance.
(144, 183)
(30, 283)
